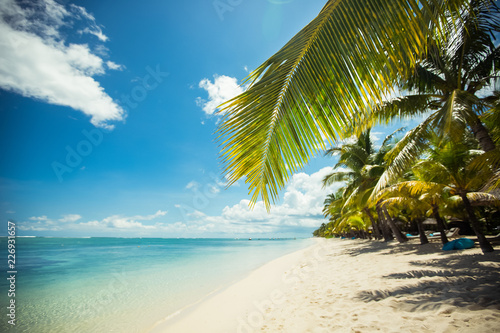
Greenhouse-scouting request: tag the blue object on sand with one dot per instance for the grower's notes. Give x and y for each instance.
(459, 244)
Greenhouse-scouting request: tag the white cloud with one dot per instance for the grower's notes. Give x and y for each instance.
(70, 222)
(70, 218)
(114, 66)
(193, 185)
(119, 222)
(376, 137)
(222, 89)
(159, 213)
(35, 62)
(300, 210)
(96, 32)
(197, 214)
(39, 218)
(301, 207)
(93, 28)
(214, 188)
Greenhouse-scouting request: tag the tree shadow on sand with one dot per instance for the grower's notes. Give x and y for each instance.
(466, 280)
(391, 248)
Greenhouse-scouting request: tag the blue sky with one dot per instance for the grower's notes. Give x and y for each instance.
(107, 117)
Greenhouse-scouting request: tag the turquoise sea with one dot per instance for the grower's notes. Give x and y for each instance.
(122, 284)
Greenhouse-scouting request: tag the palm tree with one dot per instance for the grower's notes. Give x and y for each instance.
(418, 197)
(449, 83)
(320, 232)
(456, 168)
(364, 166)
(345, 60)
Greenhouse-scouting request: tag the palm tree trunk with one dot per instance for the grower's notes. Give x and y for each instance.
(376, 232)
(421, 232)
(440, 223)
(395, 230)
(476, 226)
(383, 225)
(482, 135)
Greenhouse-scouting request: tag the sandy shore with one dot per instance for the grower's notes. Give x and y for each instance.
(357, 286)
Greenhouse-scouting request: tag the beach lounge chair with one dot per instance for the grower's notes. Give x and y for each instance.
(428, 233)
(491, 239)
(452, 233)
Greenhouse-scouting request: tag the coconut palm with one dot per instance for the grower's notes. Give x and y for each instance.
(417, 197)
(344, 61)
(364, 166)
(320, 232)
(450, 84)
(455, 167)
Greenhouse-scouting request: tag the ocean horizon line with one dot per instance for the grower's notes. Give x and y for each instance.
(233, 238)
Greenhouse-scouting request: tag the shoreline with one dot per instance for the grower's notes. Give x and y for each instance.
(204, 315)
(356, 286)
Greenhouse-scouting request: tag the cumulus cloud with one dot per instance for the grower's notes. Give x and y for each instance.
(222, 89)
(70, 222)
(37, 63)
(127, 223)
(39, 218)
(300, 209)
(70, 218)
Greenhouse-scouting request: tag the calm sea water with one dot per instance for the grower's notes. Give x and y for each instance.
(122, 285)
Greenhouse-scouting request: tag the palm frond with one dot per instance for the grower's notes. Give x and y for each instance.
(401, 107)
(452, 118)
(338, 176)
(404, 154)
(333, 151)
(493, 183)
(483, 199)
(476, 199)
(431, 171)
(392, 135)
(346, 58)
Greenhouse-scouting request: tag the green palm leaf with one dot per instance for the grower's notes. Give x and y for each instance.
(404, 154)
(346, 58)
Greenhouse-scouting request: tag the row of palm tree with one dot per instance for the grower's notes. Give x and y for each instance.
(450, 180)
(448, 87)
(335, 79)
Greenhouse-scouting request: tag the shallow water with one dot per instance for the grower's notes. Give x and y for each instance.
(122, 285)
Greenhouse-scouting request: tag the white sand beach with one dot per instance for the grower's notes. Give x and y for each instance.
(357, 286)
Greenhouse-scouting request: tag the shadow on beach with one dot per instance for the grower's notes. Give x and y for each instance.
(453, 279)
(393, 247)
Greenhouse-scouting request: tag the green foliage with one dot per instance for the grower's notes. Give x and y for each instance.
(335, 69)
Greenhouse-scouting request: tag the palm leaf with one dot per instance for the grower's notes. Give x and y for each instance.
(404, 154)
(346, 58)
(432, 171)
(476, 199)
(338, 176)
(457, 111)
(483, 199)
